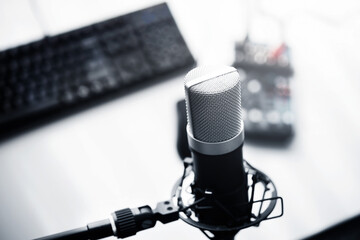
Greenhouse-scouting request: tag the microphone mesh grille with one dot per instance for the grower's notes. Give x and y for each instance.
(213, 103)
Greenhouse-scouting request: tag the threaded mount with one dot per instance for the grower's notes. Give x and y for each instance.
(125, 223)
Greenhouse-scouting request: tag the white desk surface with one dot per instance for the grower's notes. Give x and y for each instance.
(122, 154)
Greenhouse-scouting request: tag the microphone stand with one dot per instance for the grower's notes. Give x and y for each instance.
(127, 222)
(123, 223)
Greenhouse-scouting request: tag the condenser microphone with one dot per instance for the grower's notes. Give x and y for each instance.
(216, 135)
(212, 194)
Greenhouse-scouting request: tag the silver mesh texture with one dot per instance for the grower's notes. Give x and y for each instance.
(213, 102)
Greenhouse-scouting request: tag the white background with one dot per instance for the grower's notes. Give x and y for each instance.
(122, 153)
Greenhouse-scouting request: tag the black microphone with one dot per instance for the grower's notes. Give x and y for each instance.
(216, 134)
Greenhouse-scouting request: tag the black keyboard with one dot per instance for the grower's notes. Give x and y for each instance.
(69, 69)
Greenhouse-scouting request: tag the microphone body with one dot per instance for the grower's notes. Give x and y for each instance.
(227, 183)
(215, 136)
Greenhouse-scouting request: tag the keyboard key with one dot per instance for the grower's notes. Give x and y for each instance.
(132, 67)
(83, 91)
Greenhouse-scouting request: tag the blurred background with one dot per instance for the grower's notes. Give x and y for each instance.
(300, 66)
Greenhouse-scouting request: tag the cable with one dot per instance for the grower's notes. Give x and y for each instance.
(39, 17)
(248, 17)
(278, 20)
